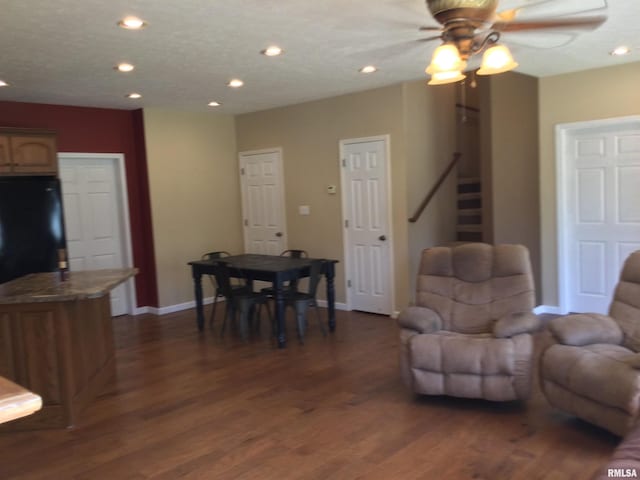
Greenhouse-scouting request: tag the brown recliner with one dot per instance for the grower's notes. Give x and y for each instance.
(469, 332)
(593, 369)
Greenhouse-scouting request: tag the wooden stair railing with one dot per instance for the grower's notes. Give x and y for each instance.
(436, 187)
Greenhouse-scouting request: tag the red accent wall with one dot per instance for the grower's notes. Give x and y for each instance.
(101, 130)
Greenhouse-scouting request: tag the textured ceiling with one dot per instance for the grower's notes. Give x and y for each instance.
(64, 51)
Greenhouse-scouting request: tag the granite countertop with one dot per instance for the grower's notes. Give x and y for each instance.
(48, 287)
(16, 402)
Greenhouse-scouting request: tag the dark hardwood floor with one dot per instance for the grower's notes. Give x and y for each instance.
(197, 406)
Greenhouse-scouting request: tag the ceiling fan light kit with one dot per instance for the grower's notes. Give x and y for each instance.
(497, 59)
(446, 58)
(471, 27)
(442, 78)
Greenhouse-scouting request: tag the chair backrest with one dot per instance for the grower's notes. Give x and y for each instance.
(295, 254)
(314, 277)
(625, 307)
(472, 285)
(223, 278)
(215, 255)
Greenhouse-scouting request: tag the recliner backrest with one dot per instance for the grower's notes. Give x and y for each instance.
(625, 307)
(472, 285)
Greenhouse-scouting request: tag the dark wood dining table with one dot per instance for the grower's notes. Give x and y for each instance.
(269, 268)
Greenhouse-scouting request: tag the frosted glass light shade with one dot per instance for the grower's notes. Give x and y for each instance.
(496, 59)
(446, 58)
(441, 78)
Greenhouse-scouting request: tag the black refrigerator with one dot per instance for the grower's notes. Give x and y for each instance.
(31, 225)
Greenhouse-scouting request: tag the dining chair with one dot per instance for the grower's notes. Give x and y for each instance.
(240, 300)
(301, 301)
(295, 254)
(269, 291)
(216, 288)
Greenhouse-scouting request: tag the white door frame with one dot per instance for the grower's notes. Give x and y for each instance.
(278, 150)
(345, 238)
(562, 132)
(123, 205)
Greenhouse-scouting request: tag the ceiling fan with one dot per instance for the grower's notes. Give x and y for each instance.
(470, 27)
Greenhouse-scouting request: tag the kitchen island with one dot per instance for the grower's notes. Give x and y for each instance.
(56, 340)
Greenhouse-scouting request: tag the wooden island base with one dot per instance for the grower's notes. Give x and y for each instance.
(61, 350)
(56, 340)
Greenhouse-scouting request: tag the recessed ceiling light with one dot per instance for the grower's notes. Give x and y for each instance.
(235, 83)
(124, 67)
(132, 23)
(272, 51)
(368, 69)
(3, 83)
(214, 104)
(134, 95)
(621, 50)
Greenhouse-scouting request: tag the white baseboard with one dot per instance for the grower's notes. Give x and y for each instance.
(173, 308)
(339, 305)
(140, 310)
(187, 305)
(322, 303)
(548, 309)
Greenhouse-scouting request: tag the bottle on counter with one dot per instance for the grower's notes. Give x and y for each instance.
(63, 267)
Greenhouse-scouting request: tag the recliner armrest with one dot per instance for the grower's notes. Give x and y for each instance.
(586, 329)
(420, 319)
(633, 361)
(515, 324)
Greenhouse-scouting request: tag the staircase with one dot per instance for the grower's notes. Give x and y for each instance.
(469, 225)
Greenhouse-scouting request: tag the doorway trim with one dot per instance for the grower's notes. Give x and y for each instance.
(345, 237)
(562, 133)
(123, 205)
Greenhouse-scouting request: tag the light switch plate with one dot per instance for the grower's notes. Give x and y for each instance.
(304, 210)
(331, 189)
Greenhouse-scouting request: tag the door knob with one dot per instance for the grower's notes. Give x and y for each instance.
(278, 234)
(382, 238)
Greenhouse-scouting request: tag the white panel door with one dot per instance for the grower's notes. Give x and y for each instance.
(366, 212)
(602, 210)
(263, 201)
(93, 220)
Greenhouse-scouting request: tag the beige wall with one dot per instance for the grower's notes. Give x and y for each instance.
(193, 167)
(589, 95)
(514, 163)
(309, 135)
(429, 122)
(486, 156)
(195, 194)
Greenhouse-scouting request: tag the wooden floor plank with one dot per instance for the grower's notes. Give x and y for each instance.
(194, 405)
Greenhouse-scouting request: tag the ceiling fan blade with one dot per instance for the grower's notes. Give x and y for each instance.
(430, 39)
(430, 29)
(388, 51)
(507, 15)
(580, 23)
(548, 8)
(539, 39)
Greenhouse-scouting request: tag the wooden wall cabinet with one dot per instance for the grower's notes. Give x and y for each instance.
(28, 152)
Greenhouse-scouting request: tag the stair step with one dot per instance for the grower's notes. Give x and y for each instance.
(469, 196)
(468, 180)
(469, 212)
(469, 185)
(469, 236)
(469, 228)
